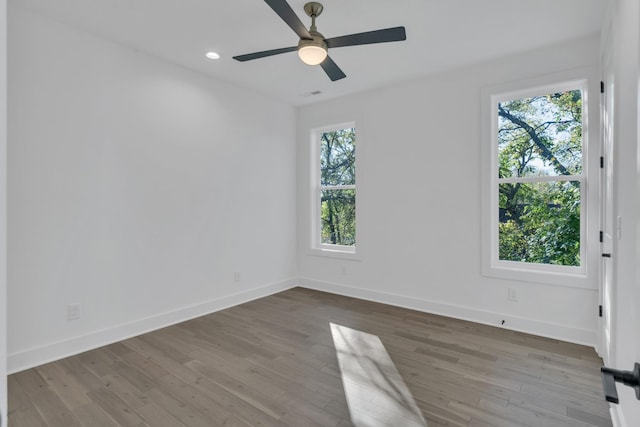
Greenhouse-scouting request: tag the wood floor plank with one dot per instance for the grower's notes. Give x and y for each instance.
(588, 417)
(240, 408)
(179, 410)
(208, 409)
(296, 385)
(18, 398)
(93, 415)
(22, 412)
(73, 367)
(127, 392)
(26, 417)
(31, 382)
(118, 409)
(65, 386)
(272, 362)
(159, 357)
(54, 411)
(157, 416)
(265, 401)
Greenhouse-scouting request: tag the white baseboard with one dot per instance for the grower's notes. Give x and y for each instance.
(520, 324)
(22, 360)
(617, 416)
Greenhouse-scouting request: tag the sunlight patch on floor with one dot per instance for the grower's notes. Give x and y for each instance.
(376, 393)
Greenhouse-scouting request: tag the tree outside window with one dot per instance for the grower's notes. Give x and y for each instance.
(338, 187)
(540, 175)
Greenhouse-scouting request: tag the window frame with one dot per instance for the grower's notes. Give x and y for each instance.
(492, 266)
(317, 247)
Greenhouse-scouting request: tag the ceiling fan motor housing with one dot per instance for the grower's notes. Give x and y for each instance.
(318, 40)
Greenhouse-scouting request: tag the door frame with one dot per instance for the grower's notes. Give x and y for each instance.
(606, 288)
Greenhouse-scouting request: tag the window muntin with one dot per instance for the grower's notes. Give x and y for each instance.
(539, 180)
(334, 207)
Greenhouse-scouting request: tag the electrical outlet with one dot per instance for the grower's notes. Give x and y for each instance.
(236, 276)
(73, 311)
(512, 295)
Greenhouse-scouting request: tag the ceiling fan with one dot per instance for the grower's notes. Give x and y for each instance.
(312, 47)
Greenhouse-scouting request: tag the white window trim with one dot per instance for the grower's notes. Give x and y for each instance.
(317, 247)
(579, 277)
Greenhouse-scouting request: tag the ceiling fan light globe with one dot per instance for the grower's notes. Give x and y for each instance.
(312, 54)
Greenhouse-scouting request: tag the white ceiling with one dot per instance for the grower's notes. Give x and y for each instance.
(441, 35)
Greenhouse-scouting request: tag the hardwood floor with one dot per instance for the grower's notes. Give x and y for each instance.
(273, 362)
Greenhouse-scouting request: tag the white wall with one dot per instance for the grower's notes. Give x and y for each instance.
(418, 193)
(3, 212)
(136, 189)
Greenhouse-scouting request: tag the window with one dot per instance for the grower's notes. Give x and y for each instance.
(334, 204)
(536, 201)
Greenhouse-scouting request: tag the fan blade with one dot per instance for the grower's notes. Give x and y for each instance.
(395, 34)
(256, 55)
(284, 11)
(331, 68)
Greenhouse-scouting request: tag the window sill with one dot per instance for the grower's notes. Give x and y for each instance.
(334, 253)
(533, 275)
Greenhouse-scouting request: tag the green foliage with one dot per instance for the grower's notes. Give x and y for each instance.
(540, 136)
(513, 244)
(338, 206)
(547, 228)
(338, 213)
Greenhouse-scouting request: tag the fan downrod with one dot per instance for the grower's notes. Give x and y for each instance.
(313, 9)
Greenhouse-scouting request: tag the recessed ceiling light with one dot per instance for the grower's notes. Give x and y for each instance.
(212, 55)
